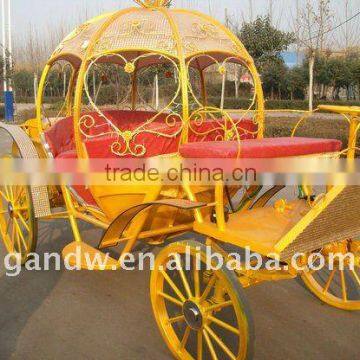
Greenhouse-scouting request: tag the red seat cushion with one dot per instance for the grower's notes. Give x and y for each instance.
(101, 148)
(260, 148)
(60, 136)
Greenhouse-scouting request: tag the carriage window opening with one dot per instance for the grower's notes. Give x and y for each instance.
(157, 86)
(229, 86)
(107, 86)
(58, 92)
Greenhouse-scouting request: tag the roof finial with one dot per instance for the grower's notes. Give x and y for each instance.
(153, 3)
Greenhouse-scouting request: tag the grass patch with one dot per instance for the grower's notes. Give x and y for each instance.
(315, 127)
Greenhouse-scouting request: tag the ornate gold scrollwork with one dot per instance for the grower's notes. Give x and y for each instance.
(205, 31)
(224, 127)
(79, 30)
(125, 142)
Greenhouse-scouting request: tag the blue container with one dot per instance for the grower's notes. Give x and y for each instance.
(9, 105)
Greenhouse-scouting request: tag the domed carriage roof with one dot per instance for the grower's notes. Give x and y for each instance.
(151, 27)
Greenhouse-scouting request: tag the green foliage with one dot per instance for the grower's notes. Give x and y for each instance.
(265, 43)
(23, 82)
(341, 72)
(295, 82)
(9, 71)
(263, 40)
(273, 74)
(233, 103)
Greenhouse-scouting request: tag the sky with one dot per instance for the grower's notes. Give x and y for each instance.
(42, 14)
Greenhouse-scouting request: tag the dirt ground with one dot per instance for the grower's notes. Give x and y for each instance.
(89, 315)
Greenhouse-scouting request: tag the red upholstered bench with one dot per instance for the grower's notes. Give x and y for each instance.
(260, 148)
(60, 137)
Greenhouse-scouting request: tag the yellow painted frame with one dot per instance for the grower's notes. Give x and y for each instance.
(81, 211)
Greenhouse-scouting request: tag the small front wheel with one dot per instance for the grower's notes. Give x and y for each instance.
(202, 313)
(338, 283)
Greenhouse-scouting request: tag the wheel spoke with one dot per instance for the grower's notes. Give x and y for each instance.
(220, 343)
(10, 221)
(9, 239)
(17, 238)
(12, 238)
(210, 345)
(11, 193)
(220, 306)
(199, 345)
(185, 338)
(26, 226)
(176, 319)
(328, 283)
(173, 286)
(4, 196)
(18, 195)
(343, 285)
(170, 298)
(183, 276)
(356, 276)
(224, 325)
(21, 236)
(208, 288)
(13, 233)
(7, 193)
(196, 278)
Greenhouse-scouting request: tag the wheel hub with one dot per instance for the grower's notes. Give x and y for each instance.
(10, 209)
(193, 315)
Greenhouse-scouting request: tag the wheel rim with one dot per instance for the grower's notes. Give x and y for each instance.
(339, 286)
(198, 312)
(16, 220)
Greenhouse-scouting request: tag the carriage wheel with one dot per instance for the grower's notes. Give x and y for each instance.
(338, 286)
(201, 313)
(18, 225)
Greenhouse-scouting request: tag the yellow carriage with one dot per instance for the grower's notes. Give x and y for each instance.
(202, 313)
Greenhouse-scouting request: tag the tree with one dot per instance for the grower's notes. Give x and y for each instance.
(23, 82)
(296, 82)
(263, 40)
(356, 74)
(341, 75)
(322, 74)
(273, 74)
(265, 44)
(312, 25)
(9, 69)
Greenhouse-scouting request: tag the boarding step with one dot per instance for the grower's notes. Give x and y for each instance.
(84, 256)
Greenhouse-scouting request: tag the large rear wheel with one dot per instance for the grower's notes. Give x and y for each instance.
(18, 225)
(201, 313)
